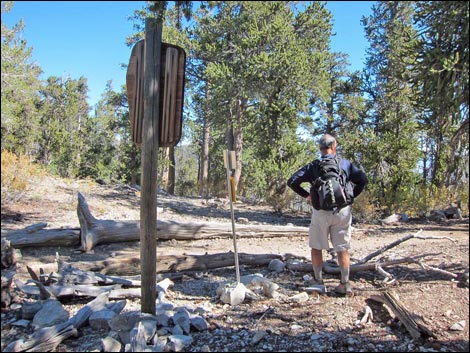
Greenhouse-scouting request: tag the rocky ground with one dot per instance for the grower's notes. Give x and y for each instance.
(292, 320)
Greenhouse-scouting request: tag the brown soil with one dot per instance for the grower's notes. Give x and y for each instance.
(323, 323)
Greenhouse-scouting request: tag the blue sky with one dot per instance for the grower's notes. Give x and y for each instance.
(87, 38)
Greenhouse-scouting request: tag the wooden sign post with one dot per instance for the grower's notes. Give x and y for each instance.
(155, 90)
(150, 133)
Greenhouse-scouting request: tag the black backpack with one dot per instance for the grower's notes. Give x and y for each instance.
(330, 190)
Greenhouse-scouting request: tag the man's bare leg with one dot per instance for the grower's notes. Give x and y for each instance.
(317, 264)
(344, 266)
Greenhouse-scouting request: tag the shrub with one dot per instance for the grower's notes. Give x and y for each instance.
(16, 175)
(365, 210)
(438, 198)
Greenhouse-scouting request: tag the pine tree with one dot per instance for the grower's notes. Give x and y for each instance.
(20, 85)
(442, 75)
(390, 141)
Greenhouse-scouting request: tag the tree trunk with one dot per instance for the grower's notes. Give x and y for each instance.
(171, 171)
(168, 169)
(176, 263)
(45, 237)
(204, 166)
(94, 231)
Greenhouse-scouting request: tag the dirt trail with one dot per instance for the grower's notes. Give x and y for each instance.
(439, 299)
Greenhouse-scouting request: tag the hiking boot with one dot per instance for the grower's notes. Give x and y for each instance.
(344, 289)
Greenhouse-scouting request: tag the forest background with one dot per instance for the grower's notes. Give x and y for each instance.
(262, 80)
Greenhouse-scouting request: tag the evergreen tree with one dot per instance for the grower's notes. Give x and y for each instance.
(101, 157)
(64, 111)
(20, 85)
(390, 141)
(128, 155)
(261, 61)
(442, 75)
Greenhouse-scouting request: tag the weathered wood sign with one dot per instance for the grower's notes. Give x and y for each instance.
(135, 89)
(171, 93)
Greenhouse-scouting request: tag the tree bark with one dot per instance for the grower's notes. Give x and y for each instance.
(204, 164)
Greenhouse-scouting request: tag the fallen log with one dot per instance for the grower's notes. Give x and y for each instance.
(174, 263)
(78, 290)
(74, 282)
(129, 266)
(94, 231)
(413, 322)
(56, 273)
(45, 237)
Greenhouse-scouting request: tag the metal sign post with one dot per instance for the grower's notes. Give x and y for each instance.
(229, 164)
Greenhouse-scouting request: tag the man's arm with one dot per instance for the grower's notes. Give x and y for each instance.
(358, 178)
(299, 177)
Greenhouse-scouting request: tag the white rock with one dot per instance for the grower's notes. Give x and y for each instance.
(233, 294)
(458, 326)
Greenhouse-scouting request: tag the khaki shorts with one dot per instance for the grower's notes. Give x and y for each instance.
(326, 226)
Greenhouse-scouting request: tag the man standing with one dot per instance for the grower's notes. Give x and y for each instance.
(327, 222)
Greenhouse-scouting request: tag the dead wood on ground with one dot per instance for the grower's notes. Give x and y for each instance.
(94, 231)
(414, 323)
(48, 338)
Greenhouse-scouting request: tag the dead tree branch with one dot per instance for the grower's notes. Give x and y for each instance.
(413, 322)
(399, 241)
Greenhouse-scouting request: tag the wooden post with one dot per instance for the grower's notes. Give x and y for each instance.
(148, 199)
